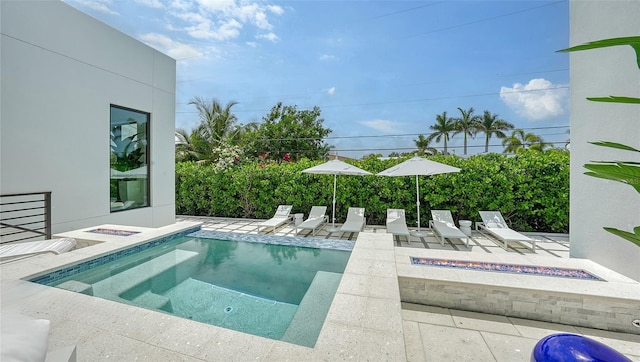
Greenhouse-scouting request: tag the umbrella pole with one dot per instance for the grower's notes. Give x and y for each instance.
(333, 227)
(418, 233)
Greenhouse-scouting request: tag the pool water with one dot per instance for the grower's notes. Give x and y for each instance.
(276, 291)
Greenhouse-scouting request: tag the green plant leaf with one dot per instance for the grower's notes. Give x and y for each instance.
(615, 99)
(633, 41)
(618, 162)
(627, 174)
(614, 145)
(633, 237)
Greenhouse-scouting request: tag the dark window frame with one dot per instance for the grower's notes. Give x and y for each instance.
(122, 160)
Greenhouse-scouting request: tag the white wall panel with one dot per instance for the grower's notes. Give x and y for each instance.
(60, 71)
(596, 203)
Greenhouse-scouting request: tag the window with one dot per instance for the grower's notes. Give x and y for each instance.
(129, 161)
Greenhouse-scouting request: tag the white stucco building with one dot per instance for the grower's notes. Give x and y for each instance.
(596, 203)
(70, 86)
(74, 93)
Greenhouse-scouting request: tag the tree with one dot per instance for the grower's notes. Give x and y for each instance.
(539, 144)
(519, 139)
(216, 122)
(423, 146)
(287, 130)
(185, 149)
(217, 129)
(491, 125)
(443, 126)
(467, 124)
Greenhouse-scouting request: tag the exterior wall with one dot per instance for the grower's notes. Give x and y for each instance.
(60, 71)
(596, 203)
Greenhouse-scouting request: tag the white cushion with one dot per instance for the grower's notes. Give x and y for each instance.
(24, 339)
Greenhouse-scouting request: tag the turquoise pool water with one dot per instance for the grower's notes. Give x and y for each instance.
(261, 287)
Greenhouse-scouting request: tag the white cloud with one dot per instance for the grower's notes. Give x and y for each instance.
(269, 36)
(382, 125)
(172, 48)
(216, 5)
(223, 19)
(275, 9)
(252, 44)
(103, 6)
(156, 4)
(261, 21)
(182, 5)
(327, 57)
(331, 91)
(539, 99)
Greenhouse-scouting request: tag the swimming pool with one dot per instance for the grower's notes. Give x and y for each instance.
(249, 283)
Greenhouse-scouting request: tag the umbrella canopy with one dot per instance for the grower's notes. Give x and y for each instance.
(418, 166)
(335, 168)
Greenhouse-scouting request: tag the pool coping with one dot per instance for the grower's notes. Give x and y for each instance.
(364, 321)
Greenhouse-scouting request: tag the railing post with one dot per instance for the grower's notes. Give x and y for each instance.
(47, 216)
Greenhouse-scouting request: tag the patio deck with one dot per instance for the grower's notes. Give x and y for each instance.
(367, 320)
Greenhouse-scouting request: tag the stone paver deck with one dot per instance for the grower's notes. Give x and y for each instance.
(366, 322)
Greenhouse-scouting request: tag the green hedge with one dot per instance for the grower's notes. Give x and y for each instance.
(531, 189)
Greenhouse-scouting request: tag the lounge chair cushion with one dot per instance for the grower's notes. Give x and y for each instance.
(24, 339)
(55, 246)
(355, 220)
(396, 222)
(445, 228)
(493, 222)
(316, 218)
(494, 225)
(280, 217)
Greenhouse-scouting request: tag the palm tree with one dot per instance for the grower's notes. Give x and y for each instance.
(185, 149)
(467, 124)
(491, 125)
(539, 144)
(422, 144)
(216, 122)
(519, 139)
(444, 125)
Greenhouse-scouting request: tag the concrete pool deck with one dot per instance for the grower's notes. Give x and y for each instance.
(367, 320)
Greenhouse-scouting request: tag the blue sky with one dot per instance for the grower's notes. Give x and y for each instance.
(380, 71)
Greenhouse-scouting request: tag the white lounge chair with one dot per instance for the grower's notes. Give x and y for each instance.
(55, 246)
(494, 224)
(444, 227)
(355, 220)
(317, 216)
(280, 217)
(397, 224)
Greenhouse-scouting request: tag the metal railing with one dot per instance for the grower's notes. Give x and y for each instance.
(25, 217)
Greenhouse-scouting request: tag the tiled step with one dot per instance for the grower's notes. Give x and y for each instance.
(309, 318)
(117, 285)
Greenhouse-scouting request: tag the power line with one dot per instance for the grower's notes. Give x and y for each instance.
(406, 10)
(400, 149)
(414, 100)
(483, 20)
(401, 135)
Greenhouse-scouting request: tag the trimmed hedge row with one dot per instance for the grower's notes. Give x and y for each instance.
(531, 189)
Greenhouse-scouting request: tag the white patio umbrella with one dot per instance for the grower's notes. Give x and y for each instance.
(336, 167)
(418, 166)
